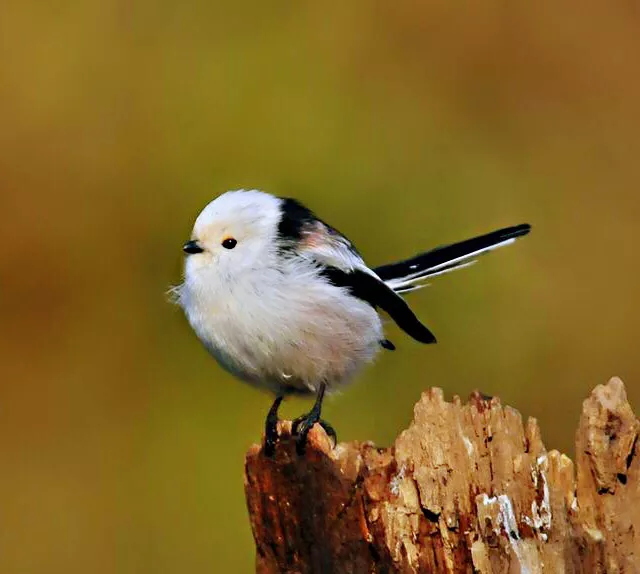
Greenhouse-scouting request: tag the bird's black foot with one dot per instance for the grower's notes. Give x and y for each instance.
(271, 428)
(302, 425)
(331, 432)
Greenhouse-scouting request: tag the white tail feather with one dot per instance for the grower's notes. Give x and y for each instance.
(413, 281)
(403, 290)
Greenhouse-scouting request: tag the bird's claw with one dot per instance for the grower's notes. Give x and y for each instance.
(331, 432)
(301, 427)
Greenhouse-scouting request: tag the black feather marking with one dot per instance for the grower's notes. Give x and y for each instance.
(295, 217)
(446, 253)
(370, 289)
(386, 344)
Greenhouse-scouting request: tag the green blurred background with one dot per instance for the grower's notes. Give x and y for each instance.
(405, 124)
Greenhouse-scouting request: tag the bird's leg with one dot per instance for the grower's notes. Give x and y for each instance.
(302, 425)
(271, 427)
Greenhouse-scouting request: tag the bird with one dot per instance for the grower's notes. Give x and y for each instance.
(285, 302)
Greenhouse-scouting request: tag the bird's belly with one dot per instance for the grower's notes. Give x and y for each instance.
(292, 346)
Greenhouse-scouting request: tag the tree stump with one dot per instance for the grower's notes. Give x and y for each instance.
(466, 488)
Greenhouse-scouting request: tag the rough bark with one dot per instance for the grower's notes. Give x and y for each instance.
(466, 488)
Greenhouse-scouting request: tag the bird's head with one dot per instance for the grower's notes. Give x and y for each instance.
(236, 231)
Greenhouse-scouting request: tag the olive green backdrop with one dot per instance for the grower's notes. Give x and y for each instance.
(405, 124)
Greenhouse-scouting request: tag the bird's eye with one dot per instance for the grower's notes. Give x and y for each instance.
(229, 243)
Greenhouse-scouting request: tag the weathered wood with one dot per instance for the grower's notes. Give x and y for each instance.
(466, 488)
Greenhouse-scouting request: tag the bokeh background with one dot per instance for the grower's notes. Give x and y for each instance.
(405, 124)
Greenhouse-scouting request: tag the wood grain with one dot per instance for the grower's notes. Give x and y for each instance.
(466, 488)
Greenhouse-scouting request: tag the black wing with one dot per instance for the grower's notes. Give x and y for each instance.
(300, 231)
(370, 289)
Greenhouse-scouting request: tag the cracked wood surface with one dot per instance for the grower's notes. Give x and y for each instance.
(466, 488)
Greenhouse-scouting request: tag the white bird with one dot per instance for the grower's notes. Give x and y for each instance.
(285, 302)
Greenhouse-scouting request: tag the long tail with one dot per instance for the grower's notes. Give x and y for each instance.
(410, 274)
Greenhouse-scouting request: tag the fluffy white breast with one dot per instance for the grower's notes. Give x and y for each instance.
(285, 328)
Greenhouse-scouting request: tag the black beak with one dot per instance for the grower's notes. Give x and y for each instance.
(192, 247)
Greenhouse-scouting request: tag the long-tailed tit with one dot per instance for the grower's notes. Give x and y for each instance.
(285, 302)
